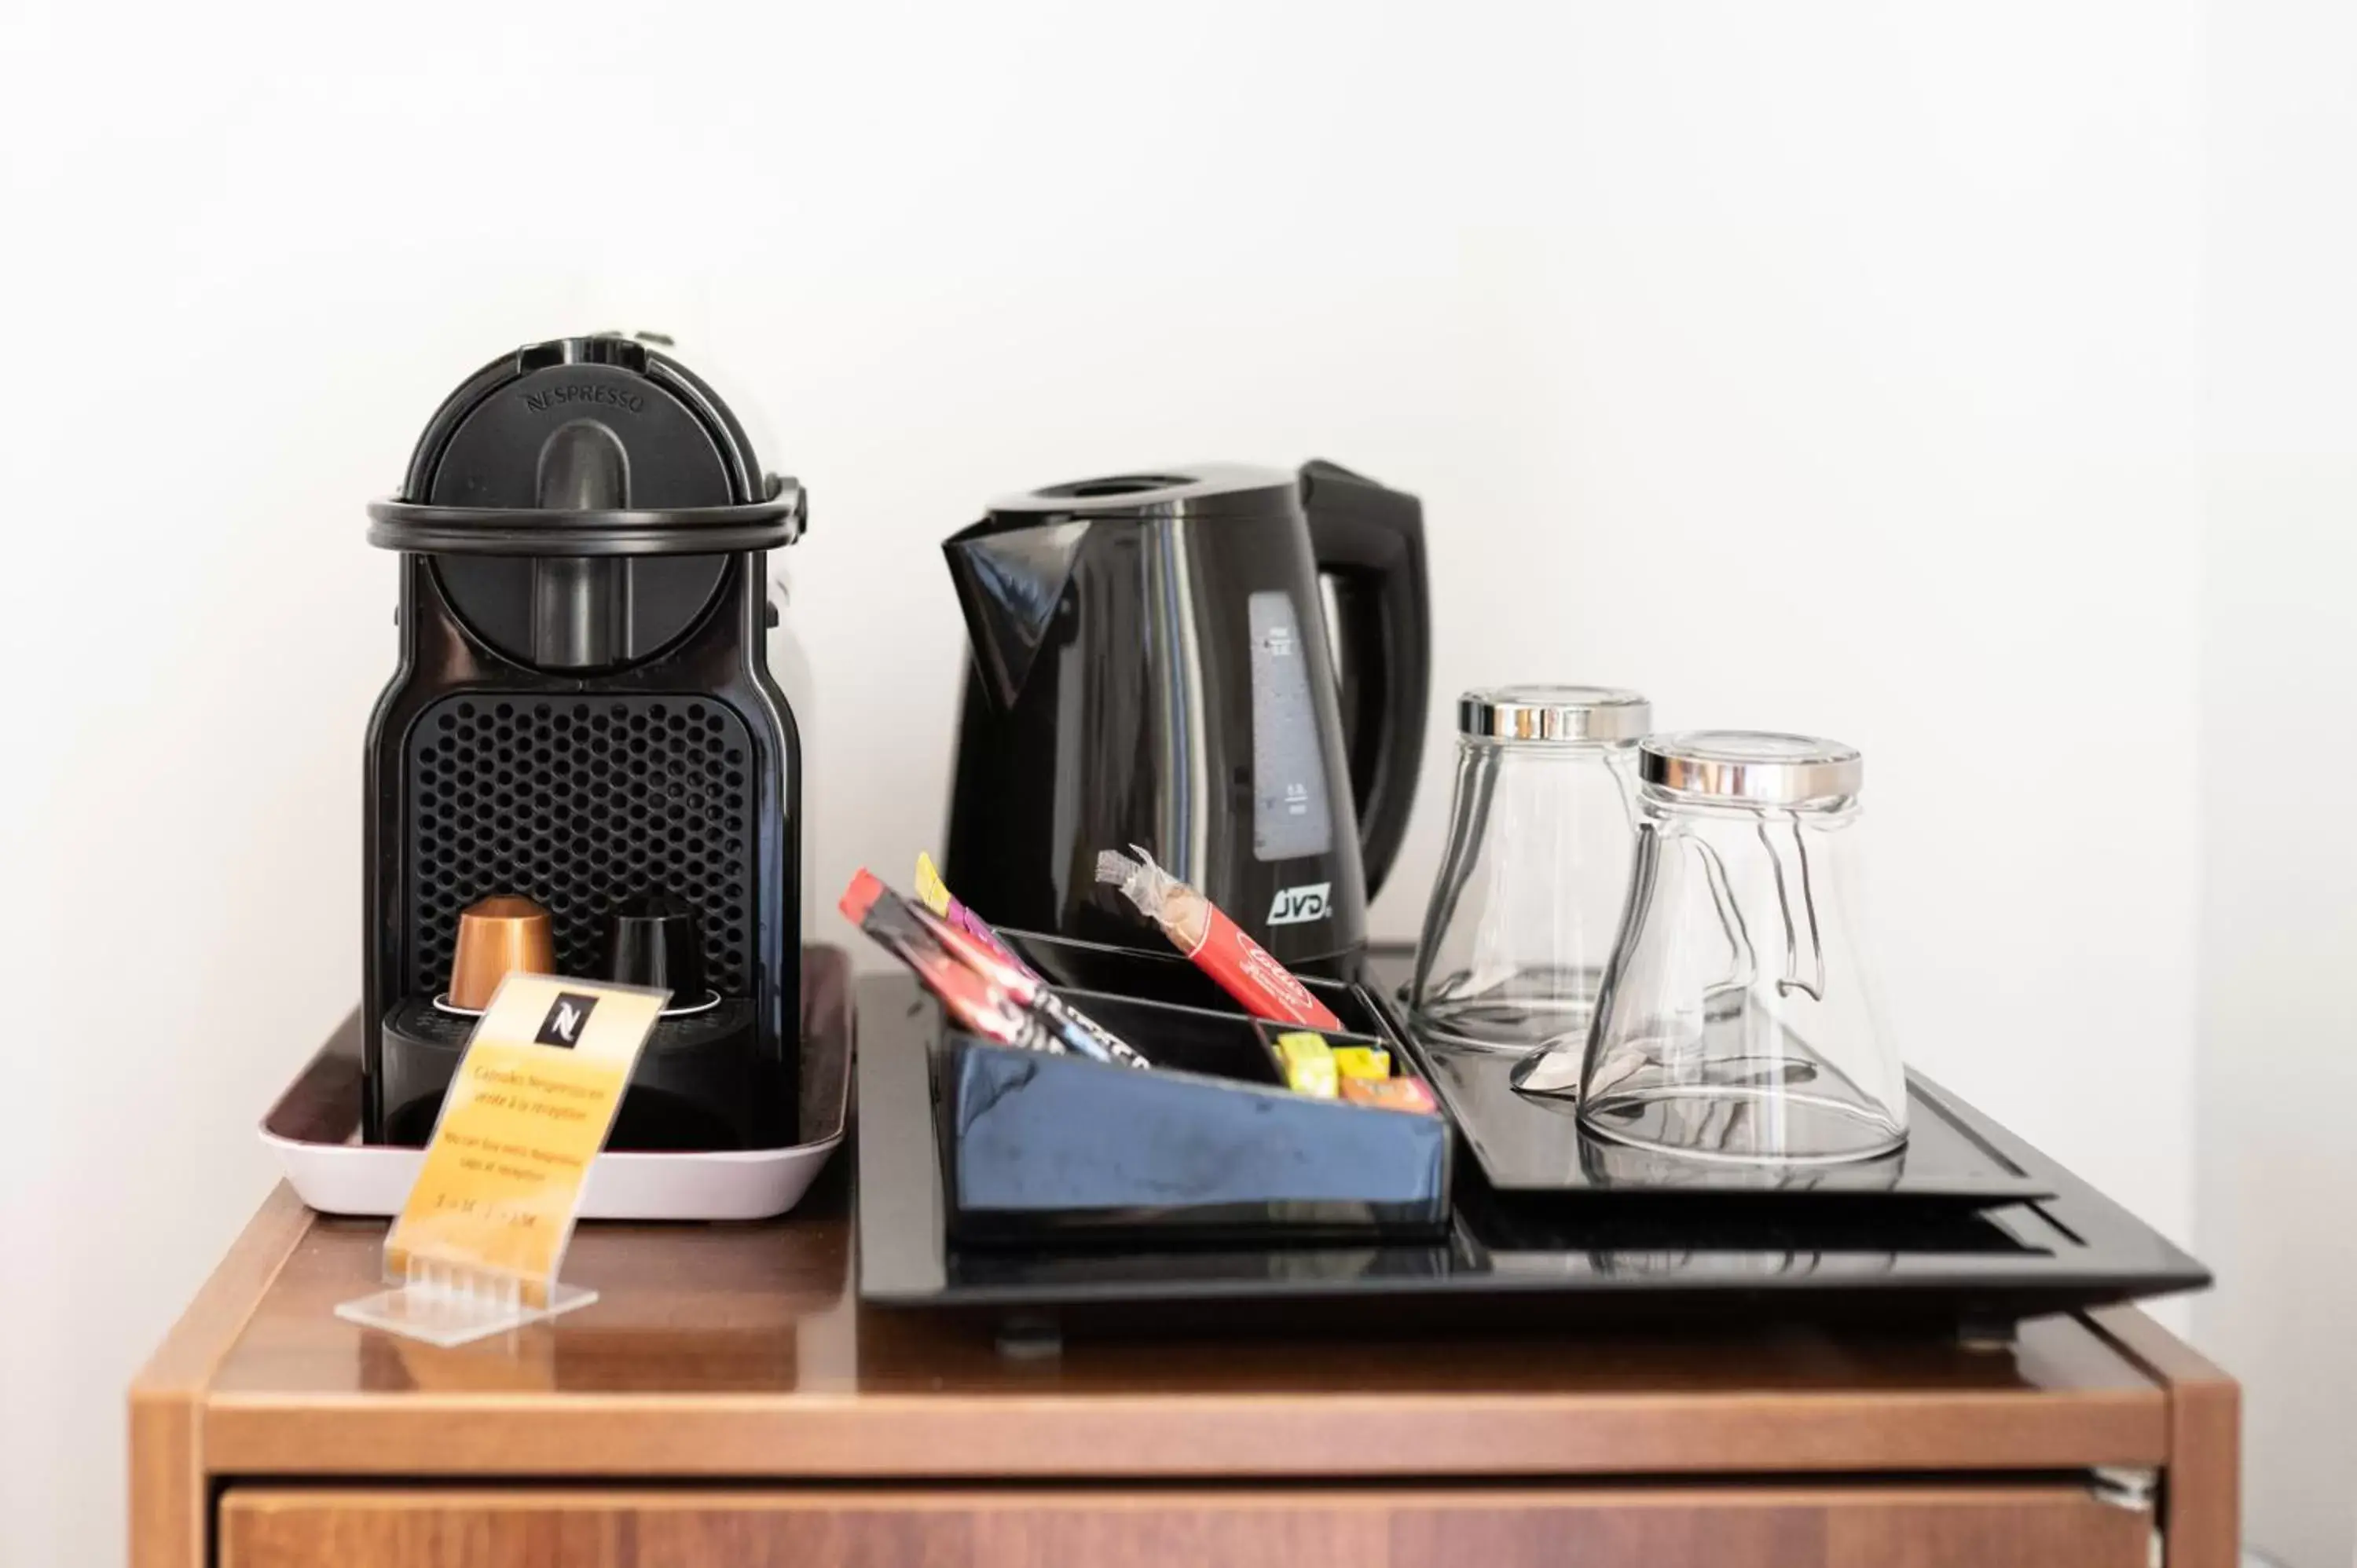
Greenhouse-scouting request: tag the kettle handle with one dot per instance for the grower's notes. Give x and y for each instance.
(1370, 540)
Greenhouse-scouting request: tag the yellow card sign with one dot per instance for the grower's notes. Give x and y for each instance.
(528, 1111)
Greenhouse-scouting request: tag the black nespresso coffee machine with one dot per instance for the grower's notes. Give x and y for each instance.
(584, 721)
(1150, 665)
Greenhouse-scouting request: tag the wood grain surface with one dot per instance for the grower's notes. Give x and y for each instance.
(2052, 1525)
(166, 1465)
(266, 1433)
(2201, 1496)
(741, 1351)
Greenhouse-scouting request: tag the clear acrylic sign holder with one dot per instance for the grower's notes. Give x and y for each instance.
(477, 1246)
(447, 1303)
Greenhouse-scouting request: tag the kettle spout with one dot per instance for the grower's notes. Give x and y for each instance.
(1009, 582)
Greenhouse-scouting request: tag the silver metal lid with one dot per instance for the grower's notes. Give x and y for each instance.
(1752, 765)
(1554, 713)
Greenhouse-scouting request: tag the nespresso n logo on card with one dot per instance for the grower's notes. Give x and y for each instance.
(566, 1016)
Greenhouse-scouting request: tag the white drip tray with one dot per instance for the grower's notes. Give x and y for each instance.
(313, 1129)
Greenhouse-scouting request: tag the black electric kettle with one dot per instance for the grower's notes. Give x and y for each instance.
(1151, 665)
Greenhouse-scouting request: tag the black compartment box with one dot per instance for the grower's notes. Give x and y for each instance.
(1209, 1145)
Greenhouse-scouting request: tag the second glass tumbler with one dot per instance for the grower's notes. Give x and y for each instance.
(1540, 837)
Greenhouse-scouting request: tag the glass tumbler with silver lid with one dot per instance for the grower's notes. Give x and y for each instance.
(1540, 837)
(1740, 1018)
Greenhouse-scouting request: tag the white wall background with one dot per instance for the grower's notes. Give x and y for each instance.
(1823, 366)
(2278, 1047)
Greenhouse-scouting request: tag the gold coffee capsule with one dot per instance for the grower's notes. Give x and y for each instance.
(498, 936)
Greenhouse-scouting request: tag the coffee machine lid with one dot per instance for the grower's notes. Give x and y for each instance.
(595, 446)
(1199, 489)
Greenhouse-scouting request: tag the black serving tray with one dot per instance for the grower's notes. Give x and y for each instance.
(1533, 1144)
(1502, 1259)
(1035, 1148)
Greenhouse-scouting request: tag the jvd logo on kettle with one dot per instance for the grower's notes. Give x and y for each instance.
(1296, 905)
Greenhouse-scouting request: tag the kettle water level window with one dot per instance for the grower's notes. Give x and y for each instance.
(1292, 815)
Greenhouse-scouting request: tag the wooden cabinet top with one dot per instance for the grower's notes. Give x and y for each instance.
(740, 1353)
(742, 1350)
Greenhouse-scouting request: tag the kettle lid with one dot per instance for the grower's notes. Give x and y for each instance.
(1199, 489)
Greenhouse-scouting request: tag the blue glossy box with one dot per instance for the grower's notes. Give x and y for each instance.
(1210, 1145)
